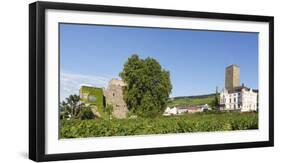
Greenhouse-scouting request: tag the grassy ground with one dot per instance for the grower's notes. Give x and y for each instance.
(199, 122)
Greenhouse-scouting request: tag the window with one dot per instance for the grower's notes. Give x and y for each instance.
(92, 98)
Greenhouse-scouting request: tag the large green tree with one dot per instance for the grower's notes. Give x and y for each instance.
(148, 86)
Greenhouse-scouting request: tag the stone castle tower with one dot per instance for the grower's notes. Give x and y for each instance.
(232, 77)
(114, 96)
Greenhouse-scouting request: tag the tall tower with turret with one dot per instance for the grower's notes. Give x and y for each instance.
(232, 77)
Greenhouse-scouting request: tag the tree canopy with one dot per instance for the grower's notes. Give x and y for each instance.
(147, 86)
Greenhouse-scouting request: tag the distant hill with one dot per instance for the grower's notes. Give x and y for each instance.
(191, 100)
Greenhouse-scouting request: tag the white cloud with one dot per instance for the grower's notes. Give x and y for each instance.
(70, 83)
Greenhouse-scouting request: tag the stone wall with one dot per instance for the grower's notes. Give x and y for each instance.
(114, 96)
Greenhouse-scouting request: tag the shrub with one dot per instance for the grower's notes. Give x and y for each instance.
(87, 113)
(202, 122)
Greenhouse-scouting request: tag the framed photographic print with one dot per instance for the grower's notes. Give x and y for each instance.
(111, 81)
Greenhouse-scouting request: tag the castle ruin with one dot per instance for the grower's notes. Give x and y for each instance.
(114, 96)
(99, 98)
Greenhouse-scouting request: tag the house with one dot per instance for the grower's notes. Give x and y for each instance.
(170, 111)
(199, 108)
(185, 109)
(182, 109)
(205, 107)
(194, 109)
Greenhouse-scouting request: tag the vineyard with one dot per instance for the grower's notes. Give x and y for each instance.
(198, 122)
(192, 100)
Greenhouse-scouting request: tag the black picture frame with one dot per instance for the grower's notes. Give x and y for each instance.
(37, 80)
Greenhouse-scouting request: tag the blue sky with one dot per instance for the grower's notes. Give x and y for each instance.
(92, 55)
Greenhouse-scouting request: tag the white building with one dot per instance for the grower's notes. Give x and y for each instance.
(170, 111)
(236, 97)
(239, 98)
(182, 109)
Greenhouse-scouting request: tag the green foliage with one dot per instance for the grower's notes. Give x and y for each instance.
(94, 92)
(148, 86)
(87, 113)
(109, 110)
(197, 122)
(215, 102)
(71, 107)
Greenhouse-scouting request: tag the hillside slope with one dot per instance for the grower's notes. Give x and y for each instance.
(191, 100)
